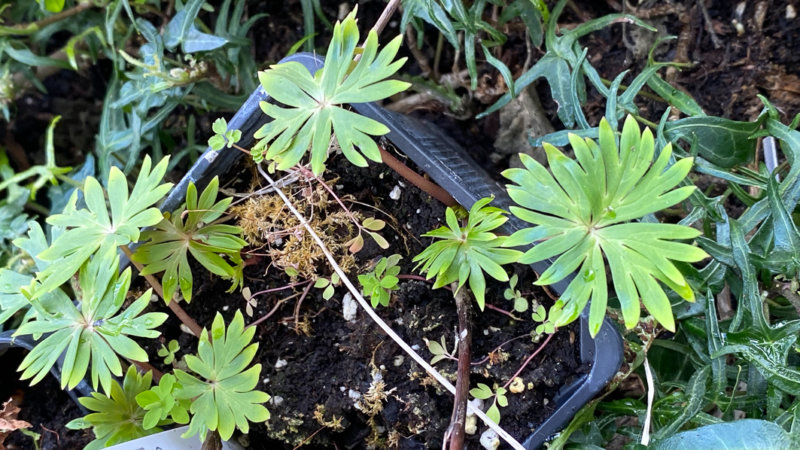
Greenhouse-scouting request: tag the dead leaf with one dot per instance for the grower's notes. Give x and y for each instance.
(9, 422)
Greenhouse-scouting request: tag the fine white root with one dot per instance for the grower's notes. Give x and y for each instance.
(382, 324)
(650, 395)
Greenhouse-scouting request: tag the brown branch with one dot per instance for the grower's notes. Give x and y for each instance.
(458, 418)
(427, 186)
(38, 25)
(387, 13)
(179, 312)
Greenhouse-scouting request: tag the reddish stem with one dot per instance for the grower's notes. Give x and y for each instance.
(458, 418)
(528, 360)
(281, 288)
(273, 310)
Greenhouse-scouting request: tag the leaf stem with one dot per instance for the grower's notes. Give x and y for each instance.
(426, 186)
(179, 312)
(528, 360)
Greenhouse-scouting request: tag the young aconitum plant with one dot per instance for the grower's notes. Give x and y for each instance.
(224, 397)
(191, 230)
(116, 418)
(93, 331)
(465, 253)
(583, 211)
(92, 230)
(315, 102)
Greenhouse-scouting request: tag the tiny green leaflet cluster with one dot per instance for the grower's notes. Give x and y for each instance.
(484, 392)
(223, 138)
(379, 283)
(191, 230)
(314, 109)
(465, 253)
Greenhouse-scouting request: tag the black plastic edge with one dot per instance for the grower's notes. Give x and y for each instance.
(450, 167)
(8, 340)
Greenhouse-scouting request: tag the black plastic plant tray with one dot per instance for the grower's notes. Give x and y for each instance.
(455, 171)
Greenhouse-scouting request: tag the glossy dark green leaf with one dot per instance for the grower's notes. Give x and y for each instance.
(724, 142)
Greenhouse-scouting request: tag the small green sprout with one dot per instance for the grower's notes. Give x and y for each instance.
(379, 283)
(439, 350)
(465, 253)
(498, 397)
(161, 405)
(327, 285)
(511, 293)
(548, 319)
(168, 352)
(222, 136)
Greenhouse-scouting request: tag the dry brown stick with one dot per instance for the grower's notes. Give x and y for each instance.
(173, 305)
(35, 26)
(387, 13)
(404, 171)
(458, 418)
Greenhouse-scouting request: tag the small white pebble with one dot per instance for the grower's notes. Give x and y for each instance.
(281, 363)
(401, 184)
(340, 186)
(545, 402)
(490, 440)
(349, 308)
(275, 400)
(354, 395)
(186, 329)
(485, 332)
(395, 194)
(265, 381)
(419, 210)
(154, 298)
(791, 13)
(342, 388)
(382, 367)
(476, 403)
(398, 360)
(415, 347)
(225, 308)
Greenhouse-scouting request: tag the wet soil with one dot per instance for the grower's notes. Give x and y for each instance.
(332, 367)
(45, 406)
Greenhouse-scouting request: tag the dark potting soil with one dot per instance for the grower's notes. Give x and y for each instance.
(345, 384)
(45, 406)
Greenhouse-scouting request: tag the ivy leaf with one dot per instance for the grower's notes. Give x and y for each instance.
(465, 253)
(93, 331)
(225, 398)
(582, 208)
(315, 103)
(90, 229)
(191, 230)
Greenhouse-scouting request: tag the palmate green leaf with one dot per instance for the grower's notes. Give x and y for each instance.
(116, 418)
(191, 230)
(224, 397)
(93, 332)
(314, 103)
(465, 253)
(582, 208)
(90, 229)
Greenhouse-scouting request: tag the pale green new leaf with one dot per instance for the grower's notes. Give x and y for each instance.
(314, 103)
(465, 253)
(191, 230)
(93, 332)
(90, 229)
(582, 210)
(224, 397)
